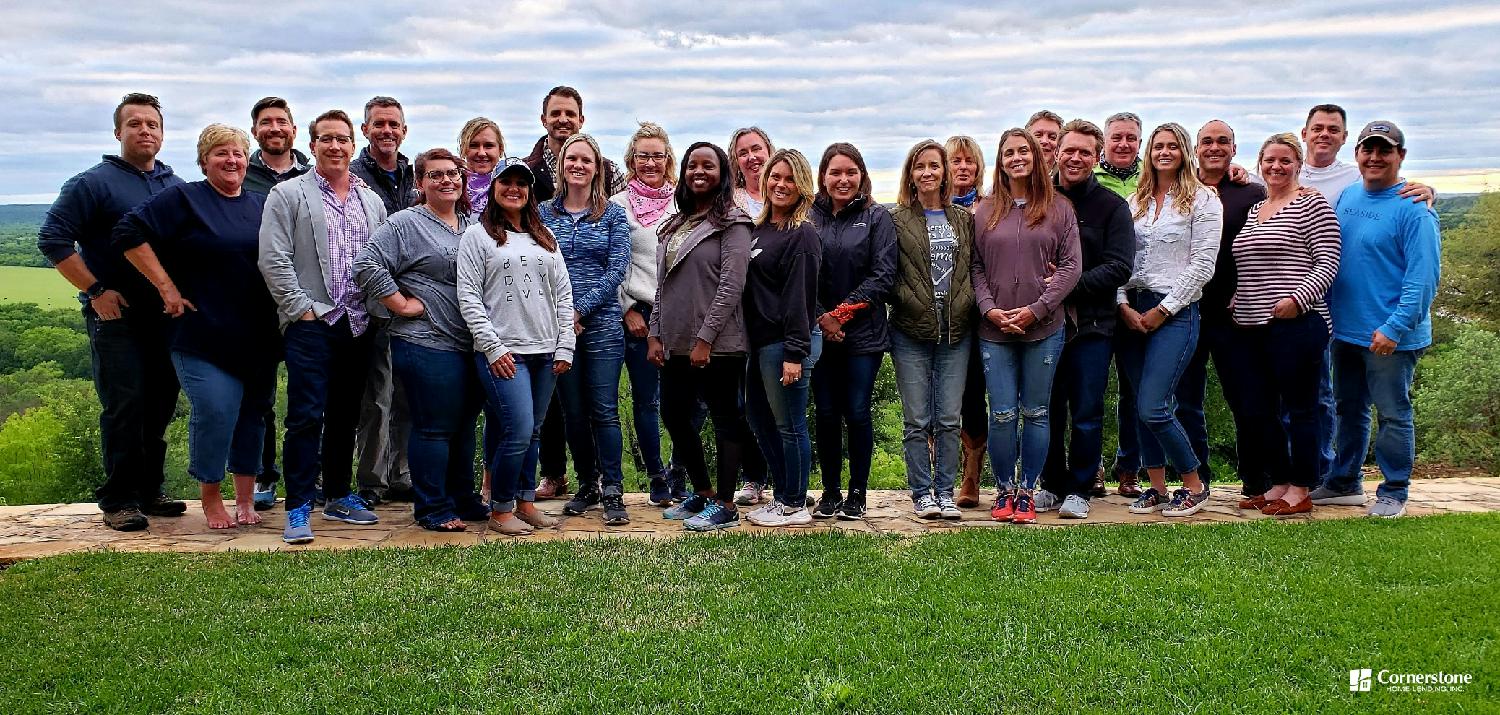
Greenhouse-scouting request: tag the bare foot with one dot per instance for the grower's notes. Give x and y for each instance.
(217, 517)
(1276, 492)
(245, 514)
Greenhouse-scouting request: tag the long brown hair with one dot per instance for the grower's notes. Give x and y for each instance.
(441, 154)
(908, 193)
(1039, 191)
(849, 150)
(495, 223)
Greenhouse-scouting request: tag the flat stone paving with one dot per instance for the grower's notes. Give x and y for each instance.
(48, 529)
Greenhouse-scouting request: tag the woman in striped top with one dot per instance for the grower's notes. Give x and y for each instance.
(1287, 256)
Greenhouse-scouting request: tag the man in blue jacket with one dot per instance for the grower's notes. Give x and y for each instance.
(1381, 309)
(128, 333)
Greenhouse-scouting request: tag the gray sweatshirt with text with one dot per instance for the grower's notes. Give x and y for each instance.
(516, 297)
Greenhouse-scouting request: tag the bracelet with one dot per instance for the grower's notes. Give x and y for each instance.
(95, 290)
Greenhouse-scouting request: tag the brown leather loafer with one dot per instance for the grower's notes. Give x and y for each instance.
(1098, 490)
(1130, 485)
(1256, 502)
(1280, 507)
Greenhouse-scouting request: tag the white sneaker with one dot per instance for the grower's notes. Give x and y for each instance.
(749, 493)
(926, 507)
(785, 515)
(1045, 500)
(1074, 507)
(949, 508)
(756, 516)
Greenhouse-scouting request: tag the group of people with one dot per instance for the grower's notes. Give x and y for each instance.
(734, 285)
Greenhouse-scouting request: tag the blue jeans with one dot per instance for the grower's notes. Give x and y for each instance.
(1283, 361)
(1362, 378)
(645, 399)
(325, 384)
(514, 412)
(1018, 378)
(778, 415)
(590, 393)
(444, 400)
(227, 426)
(930, 378)
(1153, 364)
(1077, 398)
(842, 391)
(1327, 408)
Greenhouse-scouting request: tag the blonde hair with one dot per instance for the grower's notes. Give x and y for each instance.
(1286, 139)
(215, 135)
(1184, 186)
(964, 144)
(472, 128)
(907, 195)
(1039, 191)
(736, 178)
(598, 192)
(802, 176)
(649, 130)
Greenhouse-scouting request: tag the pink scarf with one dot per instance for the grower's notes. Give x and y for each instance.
(648, 204)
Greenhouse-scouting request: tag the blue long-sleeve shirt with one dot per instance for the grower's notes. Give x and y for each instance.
(597, 254)
(86, 211)
(1388, 269)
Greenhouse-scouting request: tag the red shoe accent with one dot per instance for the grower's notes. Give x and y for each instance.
(1027, 515)
(1256, 502)
(1004, 508)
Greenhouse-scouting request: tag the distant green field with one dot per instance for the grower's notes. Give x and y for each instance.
(42, 286)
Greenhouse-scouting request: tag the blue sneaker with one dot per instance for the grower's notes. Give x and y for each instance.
(660, 494)
(715, 516)
(687, 509)
(298, 531)
(350, 510)
(265, 496)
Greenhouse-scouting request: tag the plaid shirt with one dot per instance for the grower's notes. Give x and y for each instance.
(348, 231)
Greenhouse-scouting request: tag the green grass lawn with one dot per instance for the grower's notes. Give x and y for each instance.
(43, 286)
(1083, 619)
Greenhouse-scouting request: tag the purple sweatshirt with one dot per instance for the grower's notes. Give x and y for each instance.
(1010, 265)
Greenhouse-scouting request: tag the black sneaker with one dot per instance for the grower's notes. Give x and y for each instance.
(125, 519)
(163, 505)
(828, 504)
(659, 494)
(614, 507)
(677, 479)
(371, 497)
(587, 497)
(853, 506)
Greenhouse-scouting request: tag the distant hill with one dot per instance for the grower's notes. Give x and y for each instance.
(31, 214)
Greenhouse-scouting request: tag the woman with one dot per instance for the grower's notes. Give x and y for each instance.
(483, 146)
(749, 148)
(1286, 258)
(409, 266)
(1178, 223)
(206, 234)
(859, 270)
(932, 321)
(966, 166)
(523, 337)
(647, 200)
(594, 238)
(1021, 227)
(781, 291)
(697, 334)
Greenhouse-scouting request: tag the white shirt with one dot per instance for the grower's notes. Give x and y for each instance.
(1331, 180)
(1175, 254)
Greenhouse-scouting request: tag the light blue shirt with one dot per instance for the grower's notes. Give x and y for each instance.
(1388, 268)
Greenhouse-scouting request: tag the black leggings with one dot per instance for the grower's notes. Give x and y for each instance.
(720, 385)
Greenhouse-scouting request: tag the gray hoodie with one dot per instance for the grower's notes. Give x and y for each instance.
(516, 297)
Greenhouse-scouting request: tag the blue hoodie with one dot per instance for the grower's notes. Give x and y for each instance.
(84, 215)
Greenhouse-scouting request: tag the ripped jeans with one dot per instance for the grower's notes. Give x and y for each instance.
(1018, 378)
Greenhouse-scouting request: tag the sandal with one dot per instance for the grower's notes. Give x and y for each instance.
(448, 526)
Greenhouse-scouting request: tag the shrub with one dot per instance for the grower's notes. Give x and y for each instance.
(1457, 401)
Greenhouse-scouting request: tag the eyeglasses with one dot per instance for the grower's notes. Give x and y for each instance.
(654, 156)
(440, 174)
(340, 139)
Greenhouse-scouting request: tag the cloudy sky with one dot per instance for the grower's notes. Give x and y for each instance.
(880, 73)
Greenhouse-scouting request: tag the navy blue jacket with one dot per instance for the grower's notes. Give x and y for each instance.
(86, 211)
(396, 196)
(1106, 233)
(859, 266)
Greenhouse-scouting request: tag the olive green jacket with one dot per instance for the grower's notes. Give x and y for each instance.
(913, 309)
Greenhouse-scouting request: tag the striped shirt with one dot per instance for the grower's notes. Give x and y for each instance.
(348, 232)
(1294, 253)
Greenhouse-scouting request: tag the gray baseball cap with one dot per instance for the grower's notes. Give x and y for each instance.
(516, 165)
(1383, 129)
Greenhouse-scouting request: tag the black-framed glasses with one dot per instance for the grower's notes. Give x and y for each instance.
(653, 156)
(440, 174)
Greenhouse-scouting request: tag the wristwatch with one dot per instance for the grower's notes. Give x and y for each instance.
(95, 290)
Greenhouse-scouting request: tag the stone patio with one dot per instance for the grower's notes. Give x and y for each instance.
(48, 529)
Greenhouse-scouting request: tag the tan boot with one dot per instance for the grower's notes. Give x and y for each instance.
(972, 460)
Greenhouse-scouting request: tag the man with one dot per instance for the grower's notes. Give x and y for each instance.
(276, 160)
(1380, 306)
(128, 332)
(312, 229)
(1120, 168)
(1106, 234)
(1046, 127)
(384, 422)
(562, 117)
(1215, 149)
